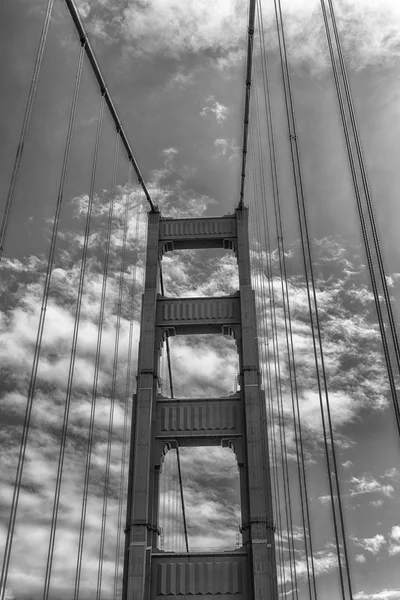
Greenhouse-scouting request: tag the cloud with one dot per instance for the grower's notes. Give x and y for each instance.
(215, 108)
(372, 545)
(201, 366)
(391, 473)
(377, 502)
(394, 543)
(325, 561)
(326, 499)
(382, 595)
(348, 464)
(360, 558)
(18, 327)
(227, 148)
(84, 9)
(170, 27)
(209, 476)
(181, 79)
(395, 533)
(366, 484)
(369, 30)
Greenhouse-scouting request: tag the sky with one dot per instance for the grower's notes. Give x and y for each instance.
(176, 74)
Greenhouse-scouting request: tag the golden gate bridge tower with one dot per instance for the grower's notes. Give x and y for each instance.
(237, 421)
(262, 565)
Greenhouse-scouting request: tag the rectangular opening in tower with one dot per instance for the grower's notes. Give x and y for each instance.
(202, 366)
(210, 486)
(201, 272)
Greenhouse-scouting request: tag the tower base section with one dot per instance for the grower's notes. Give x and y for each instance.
(213, 575)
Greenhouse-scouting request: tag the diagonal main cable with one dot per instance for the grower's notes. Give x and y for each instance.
(73, 11)
(250, 38)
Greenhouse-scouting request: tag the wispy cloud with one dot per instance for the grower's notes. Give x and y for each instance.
(372, 545)
(215, 108)
(366, 484)
(226, 148)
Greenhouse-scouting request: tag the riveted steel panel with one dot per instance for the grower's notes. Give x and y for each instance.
(209, 575)
(217, 417)
(191, 315)
(198, 233)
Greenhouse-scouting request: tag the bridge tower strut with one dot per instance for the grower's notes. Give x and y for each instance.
(237, 421)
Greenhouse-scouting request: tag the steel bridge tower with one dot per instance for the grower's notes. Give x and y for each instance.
(237, 421)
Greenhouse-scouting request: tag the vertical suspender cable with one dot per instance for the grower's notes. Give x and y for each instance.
(273, 358)
(128, 376)
(366, 186)
(309, 267)
(95, 381)
(182, 499)
(78, 307)
(276, 352)
(171, 387)
(39, 336)
(24, 130)
(177, 446)
(265, 349)
(299, 191)
(129, 494)
(287, 317)
(114, 374)
(360, 208)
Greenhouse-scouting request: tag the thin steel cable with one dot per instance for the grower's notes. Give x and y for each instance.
(93, 404)
(265, 348)
(287, 312)
(309, 273)
(171, 387)
(39, 335)
(364, 233)
(129, 503)
(178, 459)
(278, 377)
(364, 230)
(114, 374)
(22, 138)
(264, 270)
(265, 351)
(73, 11)
(366, 186)
(128, 374)
(250, 34)
(64, 431)
(256, 505)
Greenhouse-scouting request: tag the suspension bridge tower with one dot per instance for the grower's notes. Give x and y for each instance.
(237, 421)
